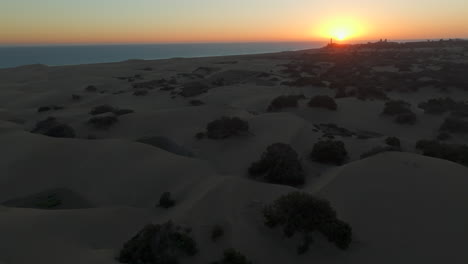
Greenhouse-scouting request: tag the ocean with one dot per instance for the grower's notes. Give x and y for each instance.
(11, 56)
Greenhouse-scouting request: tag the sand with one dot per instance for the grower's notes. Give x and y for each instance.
(403, 207)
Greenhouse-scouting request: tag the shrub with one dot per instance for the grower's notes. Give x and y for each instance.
(408, 119)
(43, 109)
(329, 152)
(193, 89)
(166, 201)
(284, 101)
(91, 88)
(76, 97)
(52, 128)
(454, 125)
(217, 232)
(323, 101)
(396, 107)
(196, 103)
(102, 109)
(378, 150)
(393, 141)
(279, 164)
(443, 136)
(232, 256)
(158, 244)
(303, 213)
(226, 127)
(200, 135)
(103, 122)
(454, 152)
(438, 106)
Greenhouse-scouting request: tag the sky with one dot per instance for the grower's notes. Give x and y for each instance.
(175, 21)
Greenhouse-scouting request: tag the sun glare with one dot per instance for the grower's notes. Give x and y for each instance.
(341, 29)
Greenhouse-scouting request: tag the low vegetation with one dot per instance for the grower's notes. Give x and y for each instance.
(166, 200)
(401, 111)
(323, 101)
(438, 106)
(393, 142)
(53, 128)
(454, 125)
(284, 101)
(303, 213)
(279, 164)
(103, 122)
(377, 150)
(216, 233)
(232, 256)
(453, 152)
(330, 151)
(226, 127)
(159, 244)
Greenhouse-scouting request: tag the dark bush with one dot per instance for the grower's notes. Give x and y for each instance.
(232, 256)
(103, 122)
(454, 125)
(323, 101)
(43, 109)
(303, 213)
(76, 97)
(166, 201)
(200, 135)
(279, 164)
(196, 103)
(438, 106)
(396, 107)
(454, 152)
(443, 136)
(120, 112)
(158, 244)
(217, 232)
(102, 109)
(91, 88)
(140, 92)
(194, 88)
(406, 119)
(393, 141)
(329, 152)
(52, 128)
(284, 101)
(378, 150)
(226, 127)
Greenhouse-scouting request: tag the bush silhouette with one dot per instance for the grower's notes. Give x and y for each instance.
(158, 244)
(438, 106)
(454, 125)
(284, 101)
(232, 256)
(166, 201)
(91, 88)
(103, 122)
(393, 141)
(279, 164)
(102, 109)
(217, 232)
(378, 150)
(396, 107)
(226, 127)
(408, 119)
(52, 128)
(453, 152)
(323, 101)
(303, 213)
(329, 151)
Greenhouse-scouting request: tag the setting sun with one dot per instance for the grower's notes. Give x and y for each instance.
(342, 29)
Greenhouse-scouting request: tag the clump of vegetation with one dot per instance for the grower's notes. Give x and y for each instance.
(408, 119)
(454, 125)
(76, 97)
(217, 232)
(159, 244)
(378, 150)
(438, 106)
(329, 151)
(323, 101)
(194, 88)
(103, 122)
(91, 88)
(166, 200)
(284, 101)
(120, 112)
(454, 152)
(196, 102)
(396, 108)
(140, 92)
(102, 109)
(232, 256)
(279, 164)
(442, 136)
(200, 135)
(303, 213)
(226, 127)
(393, 142)
(52, 128)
